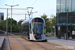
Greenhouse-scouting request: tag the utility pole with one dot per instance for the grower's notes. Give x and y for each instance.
(67, 23)
(29, 12)
(32, 13)
(7, 23)
(25, 16)
(11, 15)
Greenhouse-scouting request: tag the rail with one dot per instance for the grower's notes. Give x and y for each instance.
(21, 44)
(9, 44)
(43, 46)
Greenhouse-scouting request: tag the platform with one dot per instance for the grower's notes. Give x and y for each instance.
(61, 41)
(1, 42)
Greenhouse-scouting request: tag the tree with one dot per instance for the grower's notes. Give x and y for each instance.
(3, 25)
(14, 23)
(19, 25)
(53, 22)
(44, 16)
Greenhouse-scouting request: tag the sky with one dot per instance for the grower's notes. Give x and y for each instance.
(47, 7)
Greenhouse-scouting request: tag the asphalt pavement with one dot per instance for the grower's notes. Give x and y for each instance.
(61, 41)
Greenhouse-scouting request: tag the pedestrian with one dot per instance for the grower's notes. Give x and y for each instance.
(73, 32)
(68, 34)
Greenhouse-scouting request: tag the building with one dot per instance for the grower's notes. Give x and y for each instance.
(65, 8)
(1, 16)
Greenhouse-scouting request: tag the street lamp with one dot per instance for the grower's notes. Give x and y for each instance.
(7, 23)
(29, 10)
(11, 14)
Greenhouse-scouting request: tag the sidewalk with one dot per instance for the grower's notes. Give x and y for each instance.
(61, 41)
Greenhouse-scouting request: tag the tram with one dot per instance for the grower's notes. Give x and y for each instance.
(34, 29)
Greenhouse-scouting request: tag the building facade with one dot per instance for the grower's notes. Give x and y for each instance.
(65, 8)
(1, 16)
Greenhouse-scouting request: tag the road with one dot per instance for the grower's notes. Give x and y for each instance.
(16, 45)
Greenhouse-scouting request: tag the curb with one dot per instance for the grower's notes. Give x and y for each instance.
(2, 44)
(59, 43)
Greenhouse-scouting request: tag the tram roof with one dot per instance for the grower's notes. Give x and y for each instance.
(30, 19)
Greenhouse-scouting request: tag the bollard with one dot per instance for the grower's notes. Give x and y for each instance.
(65, 36)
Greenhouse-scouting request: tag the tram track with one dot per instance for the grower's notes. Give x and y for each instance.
(32, 45)
(21, 44)
(53, 45)
(9, 44)
(42, 46)
(15, 44)
(49, 46)
(45, 46)
(57, 47)
(29, 45)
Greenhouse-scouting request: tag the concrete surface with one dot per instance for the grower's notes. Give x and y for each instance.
(1, 42)
(61, 41)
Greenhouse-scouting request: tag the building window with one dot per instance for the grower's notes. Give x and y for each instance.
(73, 5)
(69, 5)
(62, 5)
(58, 6)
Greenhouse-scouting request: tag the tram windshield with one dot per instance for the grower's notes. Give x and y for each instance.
(37, 27)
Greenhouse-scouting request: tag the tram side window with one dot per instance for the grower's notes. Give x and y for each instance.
(30, 28)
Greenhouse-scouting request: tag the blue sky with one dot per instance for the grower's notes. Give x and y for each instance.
(41, 6)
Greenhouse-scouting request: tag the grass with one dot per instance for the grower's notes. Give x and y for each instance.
(50, 35)
(15, 36)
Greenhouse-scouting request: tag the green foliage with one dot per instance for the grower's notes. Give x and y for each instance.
(13, 21)
(16, 27)
(44, 16)
(53, 23)
(49, 23)
(3, 25)
(50, 35)
(19, 25)
(53, 20)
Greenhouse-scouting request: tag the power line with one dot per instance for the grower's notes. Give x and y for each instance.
(11, 15)
(34, 2)
(15, 8)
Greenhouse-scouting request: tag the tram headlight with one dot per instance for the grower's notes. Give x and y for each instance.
(41, 35)
(34, 35)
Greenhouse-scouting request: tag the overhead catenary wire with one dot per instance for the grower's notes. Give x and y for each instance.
(15, 8)
(34, 2)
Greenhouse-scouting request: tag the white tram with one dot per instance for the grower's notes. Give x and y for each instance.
(34, 29)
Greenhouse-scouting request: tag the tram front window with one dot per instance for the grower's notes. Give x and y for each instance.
(37, 27)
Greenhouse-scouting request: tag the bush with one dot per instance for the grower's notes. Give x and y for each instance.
(50, 35)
